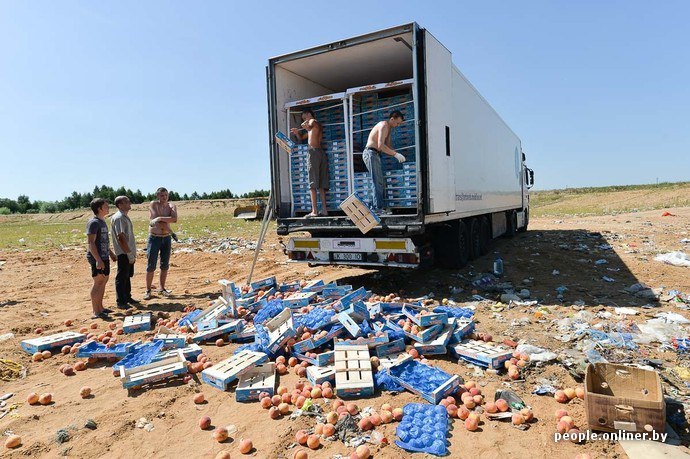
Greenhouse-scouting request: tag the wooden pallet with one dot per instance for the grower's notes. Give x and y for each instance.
(261, 378)
(319, 375)
(353, 376)
(360, 214)
(45, 343)
(223, 373)
(483, 354)
(152, 372)
(136, 323)
(280, 330)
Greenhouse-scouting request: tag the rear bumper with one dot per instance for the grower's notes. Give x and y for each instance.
(354, 251)
(403, 226)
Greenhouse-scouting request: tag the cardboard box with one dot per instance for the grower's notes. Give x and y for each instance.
(618, 397)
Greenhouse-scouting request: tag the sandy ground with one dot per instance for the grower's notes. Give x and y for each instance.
(45, 288)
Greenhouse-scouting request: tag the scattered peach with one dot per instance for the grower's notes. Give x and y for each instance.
(570, 393)
(386, 417)
(220, 434)
(301, 437)
(313, 442)
(32, 398)
(560, 414)
(245, 446)
(46, 354)
(362, 452)
(490, 407)
(13, 441)
(352, 409)
(561, 397)
(332, 417)
(471, 423)
(397, 414)
(284, 408)
(274, 412)
(266, 403)
(199, 398)
(502, 405)
(518, 419)
(365, 424)
(580, 393)
(85, 391)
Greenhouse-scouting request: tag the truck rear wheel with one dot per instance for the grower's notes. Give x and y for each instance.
(485, 235)
(475, 238)
(451, 245)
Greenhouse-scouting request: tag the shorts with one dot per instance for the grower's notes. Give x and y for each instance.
(317, 168)
(95, 272)
(155, 245)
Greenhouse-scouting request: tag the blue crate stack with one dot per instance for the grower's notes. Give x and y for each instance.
(331, 117)
(401, 179)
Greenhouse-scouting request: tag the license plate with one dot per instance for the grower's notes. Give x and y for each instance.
(345, 256)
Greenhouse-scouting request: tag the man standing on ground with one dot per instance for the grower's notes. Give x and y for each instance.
(317, 164)
(379, 142)
(162, 214)
(97, 253)
(125, 249)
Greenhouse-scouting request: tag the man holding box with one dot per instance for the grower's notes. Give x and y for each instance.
(317, 166)
(379, 142)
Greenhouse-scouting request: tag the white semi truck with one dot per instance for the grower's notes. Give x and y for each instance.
(464, 181)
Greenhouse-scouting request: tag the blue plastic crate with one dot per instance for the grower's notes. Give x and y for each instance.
(424, 429)
(430, 383)
(188, 320)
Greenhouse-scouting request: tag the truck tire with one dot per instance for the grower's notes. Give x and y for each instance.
(475, 238)
(451, 246)
(484, 235)
(511, 223)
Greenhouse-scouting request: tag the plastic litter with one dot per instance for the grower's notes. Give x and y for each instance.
(424, 428)
(536, 354)
(384, 381)
(625, 311)
(674, 258)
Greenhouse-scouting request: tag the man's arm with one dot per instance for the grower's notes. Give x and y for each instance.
(172, 218)
(383, 140)
(297, 134)
(122, 239)
(94, 251)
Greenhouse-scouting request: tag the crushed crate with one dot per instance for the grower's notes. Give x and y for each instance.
(153, 372)
(430, 383)
(486, 355)
(463, 328)
(313, 342)
(189, 319)
(101, 351)
(261, 378)
(369, 341)
(353, 374)
(171, 341)
(349, 323)
(45, 343)
(224, 372)
(360, 214)
(141, 354)
(345, 301)
(322, 359)
(227, 329)
(334, 292)
(424, 318)
(298, 300)
(264, 283)
(137, 323)
(438, 345)
(190, 352)
(391, 348)
(280, 330)
(319, 375)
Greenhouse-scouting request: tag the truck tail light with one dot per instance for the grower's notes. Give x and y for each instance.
(294, 255)
(409, 258)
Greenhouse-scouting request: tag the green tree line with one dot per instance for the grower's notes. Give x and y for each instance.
(24, 205)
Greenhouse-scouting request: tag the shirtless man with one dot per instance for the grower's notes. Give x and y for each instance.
(318, 161)
(379, 142)
(162, 214)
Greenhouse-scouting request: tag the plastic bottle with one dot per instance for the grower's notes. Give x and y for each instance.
(498, 266)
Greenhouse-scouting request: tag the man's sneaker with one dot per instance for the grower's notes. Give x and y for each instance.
(123, 306)
(164, 292)
(147, 295)
(133, 301)
(107, 311)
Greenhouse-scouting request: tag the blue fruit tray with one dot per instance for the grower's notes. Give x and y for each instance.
(430, 383)
(45, 343)
(141, 354)
(423, 429)
(101, 351)
(315, 319)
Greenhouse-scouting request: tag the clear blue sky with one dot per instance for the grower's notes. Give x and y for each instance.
(145, 94)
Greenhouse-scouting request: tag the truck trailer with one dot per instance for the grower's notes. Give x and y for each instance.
(464, 181)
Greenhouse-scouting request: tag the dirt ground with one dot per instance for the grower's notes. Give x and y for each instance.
(45, 288)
